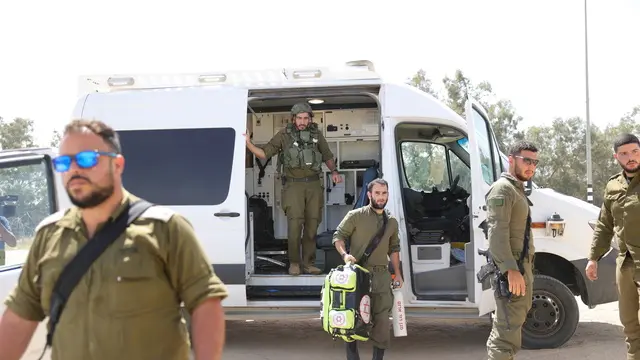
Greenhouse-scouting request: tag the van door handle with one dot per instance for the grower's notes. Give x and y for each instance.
(227, 214)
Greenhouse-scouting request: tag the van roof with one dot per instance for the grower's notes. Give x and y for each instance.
(359, 72)
(13, 153)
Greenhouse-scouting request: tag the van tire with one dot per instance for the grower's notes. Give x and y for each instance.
(553, 301)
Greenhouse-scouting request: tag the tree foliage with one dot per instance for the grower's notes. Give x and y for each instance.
(562, 143)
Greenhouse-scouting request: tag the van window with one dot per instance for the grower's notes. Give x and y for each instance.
(179, 166)
(425, 166)
(497, 160)
(459, 168)
(484, 144)
(26, 198)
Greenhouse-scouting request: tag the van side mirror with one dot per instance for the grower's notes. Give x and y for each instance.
(528, 187)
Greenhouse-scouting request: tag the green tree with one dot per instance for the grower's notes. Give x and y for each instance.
(422, 82)
(559, 143)
(501, 112)
(16, 134)
(562, 143)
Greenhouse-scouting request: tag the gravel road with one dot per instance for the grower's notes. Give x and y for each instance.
(599, 336)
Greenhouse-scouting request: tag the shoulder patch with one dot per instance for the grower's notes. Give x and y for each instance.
(158, 212)
(51, 219)
(496, 201)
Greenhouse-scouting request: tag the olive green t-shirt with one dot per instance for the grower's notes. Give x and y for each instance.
(620, 216)
(127, 305)
(507, 210)
(359, 226)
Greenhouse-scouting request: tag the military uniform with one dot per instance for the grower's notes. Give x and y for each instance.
(619, 216)
(507, 213)
(358, 228)
(302, 155)
(127, 305)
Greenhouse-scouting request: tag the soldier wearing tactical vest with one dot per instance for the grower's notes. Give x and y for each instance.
(302, 150)
(620, 216)
(507, 216)
(359, 227)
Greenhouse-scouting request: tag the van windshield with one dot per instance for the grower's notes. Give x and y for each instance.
(464, 143)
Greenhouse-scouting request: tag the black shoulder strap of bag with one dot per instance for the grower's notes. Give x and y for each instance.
(374, 241)
(80, 263)
(525, 248)
(262, 168)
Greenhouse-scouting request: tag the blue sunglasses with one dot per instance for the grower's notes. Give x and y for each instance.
(84, 159)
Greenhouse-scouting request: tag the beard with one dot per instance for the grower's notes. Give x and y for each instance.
(97, 196)
(376, 205)
(520, 175)
(630, 167)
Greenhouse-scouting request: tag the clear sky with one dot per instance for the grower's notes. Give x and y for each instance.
(532, 52)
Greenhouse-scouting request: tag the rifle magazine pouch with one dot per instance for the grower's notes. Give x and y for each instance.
(346, 303)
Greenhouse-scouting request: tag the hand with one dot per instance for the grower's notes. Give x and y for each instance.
(592, 270)
(247, 137)
(397, 282)
(348, 258)
(335, 177)
(516, 282)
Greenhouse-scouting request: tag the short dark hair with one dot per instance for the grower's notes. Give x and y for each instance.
(377, 181)
(625, 139)
(99, 128)
(521, 146)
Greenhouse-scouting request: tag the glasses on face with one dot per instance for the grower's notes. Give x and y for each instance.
(84, 159)
(528, 161)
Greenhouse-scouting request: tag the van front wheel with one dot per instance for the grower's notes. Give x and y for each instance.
(553, 317)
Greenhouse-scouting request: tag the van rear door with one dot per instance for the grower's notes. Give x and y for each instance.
(184, 148)
(27, 196)
(482, 175)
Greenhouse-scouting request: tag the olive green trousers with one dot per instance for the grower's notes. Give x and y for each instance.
(629, 305)
(503, 343)
(302, 203)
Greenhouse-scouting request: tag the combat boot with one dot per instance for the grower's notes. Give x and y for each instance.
(378, 354)
(352, 351)
(294, 269)
(310, 269)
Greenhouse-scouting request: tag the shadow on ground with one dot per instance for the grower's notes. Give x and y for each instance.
(427, 339)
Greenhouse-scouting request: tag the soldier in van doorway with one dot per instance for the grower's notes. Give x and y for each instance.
(619, 215)
(302, 149)
(508, 221)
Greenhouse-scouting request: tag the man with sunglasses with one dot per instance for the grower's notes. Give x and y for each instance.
(511, 247)
(127, 305)
(620, 216)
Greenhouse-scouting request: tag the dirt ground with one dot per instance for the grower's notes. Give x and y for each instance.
(598, 336)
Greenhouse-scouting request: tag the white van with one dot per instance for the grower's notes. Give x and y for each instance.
(182, 137)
